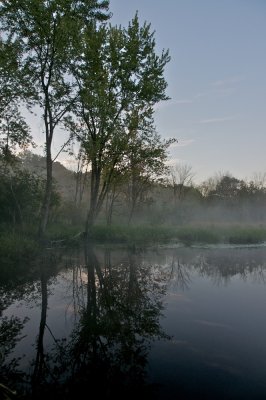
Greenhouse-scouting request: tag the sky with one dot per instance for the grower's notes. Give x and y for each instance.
(216, 81)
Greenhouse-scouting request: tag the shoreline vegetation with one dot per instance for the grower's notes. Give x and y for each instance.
(185, 235)
(21, 246)
(226, 213)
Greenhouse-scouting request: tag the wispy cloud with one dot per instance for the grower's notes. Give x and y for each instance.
(228, 81)
(221, 87)
(183, 101)
(225, 91)
(201, 94)
(216, 91)
(215, 120)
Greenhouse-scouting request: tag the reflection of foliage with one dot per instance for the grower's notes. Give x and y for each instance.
(110, 344)
(19, 279)
(10, 335)
(219, 265)
(117, 302)
(179, 273)
(17, 283)
(108, 348)
(24, 285)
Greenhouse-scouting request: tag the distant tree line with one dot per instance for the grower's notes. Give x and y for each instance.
(131, 198)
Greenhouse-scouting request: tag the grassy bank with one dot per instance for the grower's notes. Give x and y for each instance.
(187, 235)
(22, 247)
(17, 254)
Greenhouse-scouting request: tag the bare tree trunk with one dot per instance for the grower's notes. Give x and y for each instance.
(82, 185)
(95, 186)
(99, 190)
(110, 207)
(133, 197)
(17, 205)
(45, 209)
(80, 182)
(131, 212)
(77, 189)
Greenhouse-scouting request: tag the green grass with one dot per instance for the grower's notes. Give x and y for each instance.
(229, 234)
(187, 235)
(246, 235)
(16, 250)
(125, 233)
(15, 246)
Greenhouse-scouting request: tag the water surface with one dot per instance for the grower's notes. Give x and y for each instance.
(164, 323)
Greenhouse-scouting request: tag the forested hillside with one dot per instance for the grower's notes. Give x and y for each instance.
(64, 178)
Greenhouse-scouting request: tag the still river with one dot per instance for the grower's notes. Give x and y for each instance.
(160, 323)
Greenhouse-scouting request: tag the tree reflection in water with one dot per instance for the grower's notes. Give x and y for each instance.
(221, 266)
(10, 335)
(118, 308)
(117, 302)
(23, 286)
(218, 265)
(40, 360)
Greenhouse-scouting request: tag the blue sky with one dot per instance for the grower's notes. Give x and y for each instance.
(216, 80)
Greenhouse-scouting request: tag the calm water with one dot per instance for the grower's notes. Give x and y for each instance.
(180, 323)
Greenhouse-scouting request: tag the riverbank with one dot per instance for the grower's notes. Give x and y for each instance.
(186, 235)
(22, 246)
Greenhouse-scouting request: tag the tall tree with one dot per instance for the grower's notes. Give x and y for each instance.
(144, 163)
(118, 72)
(14, 132)
(46, 30)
